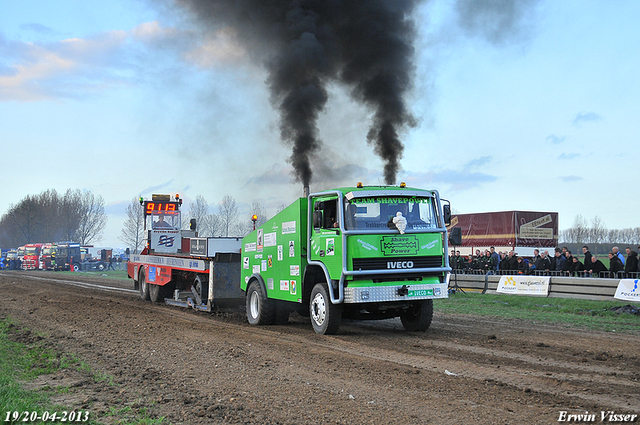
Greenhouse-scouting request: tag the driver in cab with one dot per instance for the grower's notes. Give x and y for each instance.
(161, 224)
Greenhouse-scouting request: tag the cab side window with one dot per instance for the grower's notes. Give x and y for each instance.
(325, 214)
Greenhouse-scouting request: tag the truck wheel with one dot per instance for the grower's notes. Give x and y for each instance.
(144, 286)
(260, 309)
(156, 293)
(75, 267)
(325, 316)
(418, 317)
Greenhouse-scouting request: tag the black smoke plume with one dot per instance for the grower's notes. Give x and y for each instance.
(307, 44)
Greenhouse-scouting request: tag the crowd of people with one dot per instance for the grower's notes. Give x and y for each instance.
(562, 263)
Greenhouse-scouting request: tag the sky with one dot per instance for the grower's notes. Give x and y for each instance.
(520, 105)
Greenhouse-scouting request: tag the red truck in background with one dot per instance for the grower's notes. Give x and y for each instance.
(32, 256)
(48, 257)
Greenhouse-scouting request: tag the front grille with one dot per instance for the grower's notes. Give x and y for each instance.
(397, 263)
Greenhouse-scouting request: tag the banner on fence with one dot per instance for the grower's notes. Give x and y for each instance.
(628, 290)
(524, 285)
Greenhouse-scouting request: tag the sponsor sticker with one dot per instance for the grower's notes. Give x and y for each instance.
(270, 239)
(288, 227)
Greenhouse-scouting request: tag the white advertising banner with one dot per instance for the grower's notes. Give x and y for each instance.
(524, 285)
(628, 290)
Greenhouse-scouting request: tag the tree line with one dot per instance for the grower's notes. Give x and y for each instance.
(225, 220)
(583, 232)
(52, 217)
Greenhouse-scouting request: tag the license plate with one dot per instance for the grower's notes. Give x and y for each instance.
(421, 293)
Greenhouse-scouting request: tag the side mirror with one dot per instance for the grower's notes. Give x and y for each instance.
(446, 211)
(192, 224)
(455, 236)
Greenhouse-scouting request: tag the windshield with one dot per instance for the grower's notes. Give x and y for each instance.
(375, 213)
(47, 251)
(166, 222)
(31, 251)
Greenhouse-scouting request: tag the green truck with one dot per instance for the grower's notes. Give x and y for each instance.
(364, 252)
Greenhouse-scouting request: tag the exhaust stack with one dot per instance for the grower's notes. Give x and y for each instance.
(305, 191)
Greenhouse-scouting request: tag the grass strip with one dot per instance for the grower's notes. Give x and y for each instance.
(590, 314)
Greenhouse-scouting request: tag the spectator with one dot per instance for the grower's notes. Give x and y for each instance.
(513, 260)
(568, 262)
(504, 262)
(596, 266)
(615, 265)
(543, 262)
(536, 256)
(576, 267)
(496, 257)
(587, 257)
(631, 265)
(490, 262)
(521, 265)
(560, 260)
(482, 260)
(617, 253)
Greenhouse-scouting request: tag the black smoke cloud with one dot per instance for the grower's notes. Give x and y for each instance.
(367, 45)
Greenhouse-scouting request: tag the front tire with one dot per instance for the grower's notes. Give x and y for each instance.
(260, 309)
(325, 316)
(418, 317)
(144, 286)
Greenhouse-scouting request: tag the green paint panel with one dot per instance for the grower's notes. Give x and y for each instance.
(274, 251)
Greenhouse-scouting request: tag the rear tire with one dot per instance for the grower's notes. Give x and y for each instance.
(144, 286)
(418, 317)
(325, 316)
(158, 293)
(260, 309)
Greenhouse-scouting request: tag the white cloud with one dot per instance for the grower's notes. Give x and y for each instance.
(586, 117)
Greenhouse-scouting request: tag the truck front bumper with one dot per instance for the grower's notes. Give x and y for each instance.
(369, 294)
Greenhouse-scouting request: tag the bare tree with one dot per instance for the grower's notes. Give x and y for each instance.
(597, 232)
(199, 210)
(70, 212)
(92, 218)
(228, 215)
(133, 230)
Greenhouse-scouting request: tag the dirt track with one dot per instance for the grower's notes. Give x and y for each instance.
(215, 368)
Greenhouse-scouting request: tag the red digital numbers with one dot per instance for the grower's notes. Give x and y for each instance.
(160, 208)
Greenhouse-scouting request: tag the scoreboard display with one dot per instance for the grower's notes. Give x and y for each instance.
(161, 208)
